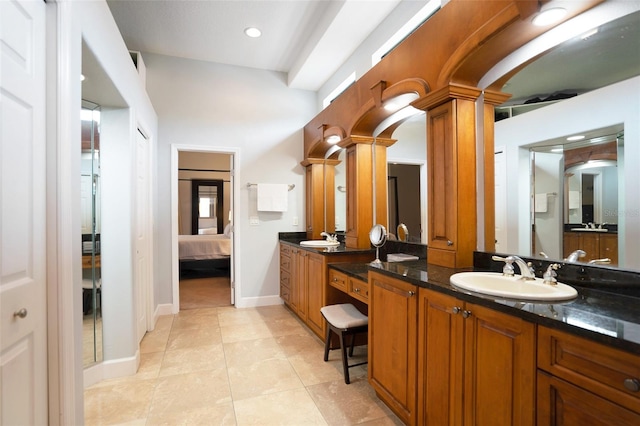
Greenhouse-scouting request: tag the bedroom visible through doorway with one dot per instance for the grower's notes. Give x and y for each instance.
(204, 229)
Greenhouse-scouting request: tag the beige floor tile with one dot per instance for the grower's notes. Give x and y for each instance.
(182, 338)
(164, 322)
(299, 344)
(155, 341)
(282, 326)
(293, 407)
(342, 404)
(274, 311)
(189, 360)
(234, 316)
(196, 318)
(119, 403)
(193, 398)
(258, 367)
(246, 331)
(312, 369)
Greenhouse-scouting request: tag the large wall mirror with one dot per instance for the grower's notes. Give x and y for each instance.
(406, 162)
(563, 195)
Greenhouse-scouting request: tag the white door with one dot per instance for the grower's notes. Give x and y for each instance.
(501, 200)
(143, 227)
(23, 340)
(231, 213)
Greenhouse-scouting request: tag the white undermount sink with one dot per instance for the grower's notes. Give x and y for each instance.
(496, 284)
(319, 243)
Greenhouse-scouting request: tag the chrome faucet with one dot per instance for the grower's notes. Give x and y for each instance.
(331, 238)
(526, 270)
(575, 255)
(604, 261)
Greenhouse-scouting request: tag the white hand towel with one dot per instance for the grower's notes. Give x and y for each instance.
(540, 203)
(574, 199)
(273, 197)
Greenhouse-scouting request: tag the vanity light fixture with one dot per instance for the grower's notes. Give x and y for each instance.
(557, 150)
(575, 138)
(400, 101)
(333, 139)
(252, 32)
(81, 77)
(549, 16)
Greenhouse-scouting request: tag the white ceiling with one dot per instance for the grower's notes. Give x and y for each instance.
(307, 39)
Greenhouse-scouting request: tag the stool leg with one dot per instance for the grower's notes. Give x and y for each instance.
(353, 342)
(327, 342)
(345, 365)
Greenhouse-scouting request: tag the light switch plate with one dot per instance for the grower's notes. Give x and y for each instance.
(253, 220)
(295, 221)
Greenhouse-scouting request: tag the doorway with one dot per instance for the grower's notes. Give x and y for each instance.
(203, 189)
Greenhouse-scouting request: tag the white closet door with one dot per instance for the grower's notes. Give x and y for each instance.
(143, 231)
(23, 349)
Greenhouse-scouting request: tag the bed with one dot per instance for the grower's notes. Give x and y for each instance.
(204, 254)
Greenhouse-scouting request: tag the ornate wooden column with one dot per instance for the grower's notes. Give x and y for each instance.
(366, 166)
(451, 174)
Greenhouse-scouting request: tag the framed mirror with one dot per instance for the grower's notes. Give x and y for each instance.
(377, 236)
(206, 207)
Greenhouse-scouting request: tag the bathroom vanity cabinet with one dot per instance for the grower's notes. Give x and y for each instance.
(597, 245)
(303, 281)
(485, 355)
(393, 305)
(582, 382)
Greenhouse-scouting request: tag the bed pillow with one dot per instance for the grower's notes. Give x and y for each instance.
(227, 230)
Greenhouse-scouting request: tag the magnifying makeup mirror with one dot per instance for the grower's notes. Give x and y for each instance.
(377, 236)
(402, 233)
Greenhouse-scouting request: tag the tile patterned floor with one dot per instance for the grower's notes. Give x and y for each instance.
(228, 366)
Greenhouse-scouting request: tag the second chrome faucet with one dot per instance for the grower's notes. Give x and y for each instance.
(526, 270)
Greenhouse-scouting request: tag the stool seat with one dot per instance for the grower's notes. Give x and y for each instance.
(344, 320)
(344, 316)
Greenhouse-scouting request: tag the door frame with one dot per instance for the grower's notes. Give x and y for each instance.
(235, 234)
(423, 184)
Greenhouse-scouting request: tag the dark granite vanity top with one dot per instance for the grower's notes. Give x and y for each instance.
(293, 239)
(602, 316)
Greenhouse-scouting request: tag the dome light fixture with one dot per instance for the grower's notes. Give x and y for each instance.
(549, 16)
(333, 139)
(252, 32)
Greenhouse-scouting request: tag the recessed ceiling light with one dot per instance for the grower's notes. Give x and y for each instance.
(575, 138)
(549, 16)
(252, 32)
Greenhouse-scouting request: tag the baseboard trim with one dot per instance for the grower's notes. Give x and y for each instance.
(254, 302)
(111, 369)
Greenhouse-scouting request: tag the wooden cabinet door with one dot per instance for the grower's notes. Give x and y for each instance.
(392, 343)
(440, 359)
(299, 286)
(315, 291)
(570, 243)
(609, 247)
(442, 167)
(561, 403)
(590, 243)
(500, 368)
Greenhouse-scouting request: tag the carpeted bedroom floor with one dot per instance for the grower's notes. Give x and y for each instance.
(209, 292)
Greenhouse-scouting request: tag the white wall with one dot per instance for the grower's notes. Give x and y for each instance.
(200, 103)
(618, 103)
(548, 178)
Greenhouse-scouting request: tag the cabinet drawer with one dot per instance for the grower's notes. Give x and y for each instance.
(610, 373)
(338, 280)
(285, 294)
(285, 250)
(359, 289)
(285, 279)
(285, 263)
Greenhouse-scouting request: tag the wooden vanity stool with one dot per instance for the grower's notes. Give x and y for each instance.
(344, 320)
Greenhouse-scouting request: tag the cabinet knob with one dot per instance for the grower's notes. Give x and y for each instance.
(466, 314)
(335, 280)
(411, 293)
(22, 313)
(357, 290)
(456, 309)
(632, 385)
(449, 242)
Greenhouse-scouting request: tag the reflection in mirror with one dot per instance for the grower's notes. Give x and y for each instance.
(341, 192)
(402, 232)
(90, 212)
(575, 196)
(206, 210)
(406, 161)
(598, 87)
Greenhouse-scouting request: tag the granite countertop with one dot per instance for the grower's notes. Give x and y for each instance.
(294, 239)
(602, 316)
